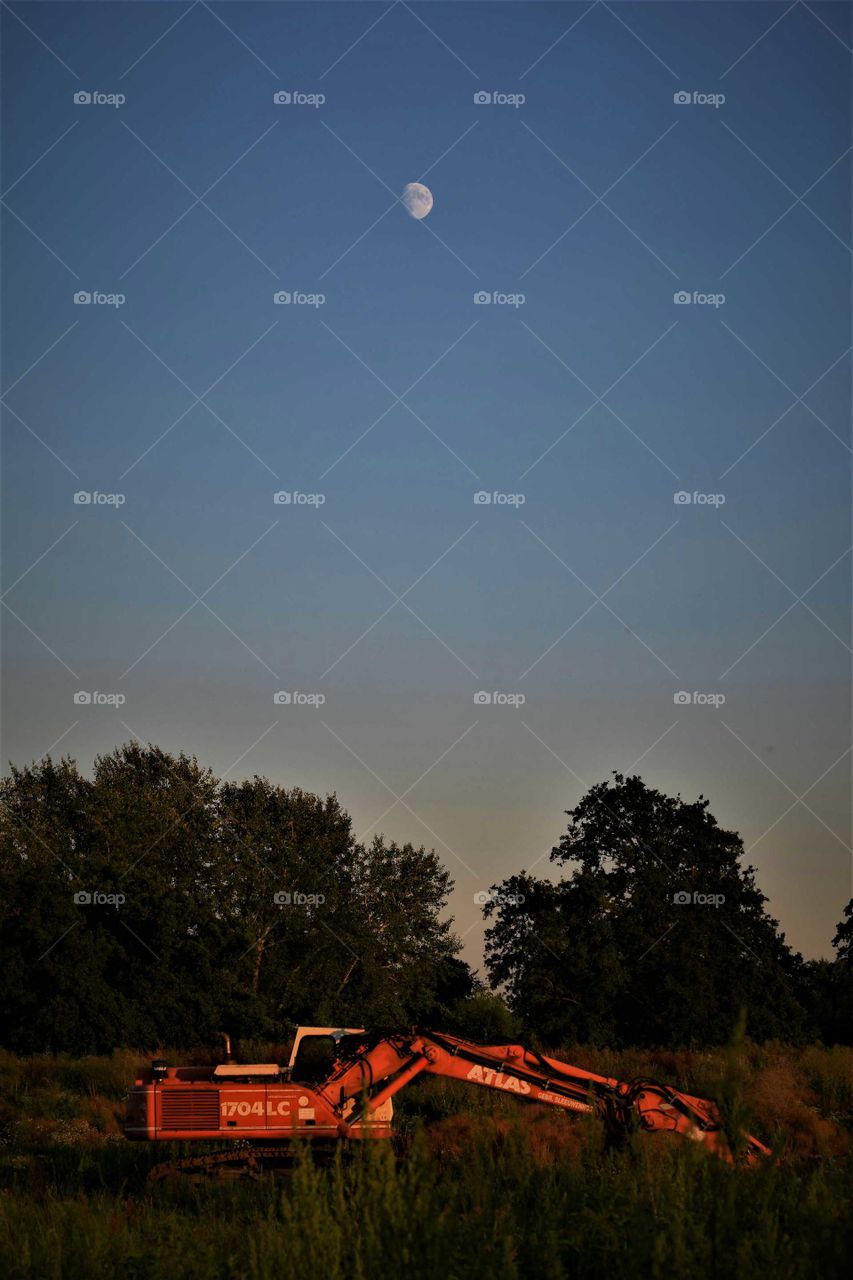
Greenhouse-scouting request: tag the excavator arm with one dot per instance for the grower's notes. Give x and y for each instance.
(383, 1064)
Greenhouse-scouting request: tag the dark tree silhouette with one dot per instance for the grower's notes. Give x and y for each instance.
(153, 904)
(659, 935)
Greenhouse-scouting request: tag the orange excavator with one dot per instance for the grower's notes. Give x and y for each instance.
(340, 1083)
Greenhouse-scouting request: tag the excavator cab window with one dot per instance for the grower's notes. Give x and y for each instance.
(314, 1059)
(349, 1046)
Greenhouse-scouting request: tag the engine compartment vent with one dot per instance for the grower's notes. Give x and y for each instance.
(189, 1109)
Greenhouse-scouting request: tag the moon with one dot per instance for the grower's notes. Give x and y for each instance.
(417, 199)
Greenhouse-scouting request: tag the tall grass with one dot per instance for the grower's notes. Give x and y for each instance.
(658, 1211)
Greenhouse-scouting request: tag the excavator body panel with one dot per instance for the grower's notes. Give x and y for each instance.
(258, 1102)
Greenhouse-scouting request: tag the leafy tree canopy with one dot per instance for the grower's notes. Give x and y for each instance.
(155, 904)
(658, 934)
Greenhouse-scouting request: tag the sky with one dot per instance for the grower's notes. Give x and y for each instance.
(622, 516)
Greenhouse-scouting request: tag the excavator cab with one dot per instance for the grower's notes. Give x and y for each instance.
(315, 1055)
(316, 1050)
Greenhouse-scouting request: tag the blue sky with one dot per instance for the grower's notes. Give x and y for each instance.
(597, 399)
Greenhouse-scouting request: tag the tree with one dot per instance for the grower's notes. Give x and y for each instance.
(326, 929)
(44, 839)
(840, 1027)
(659, 935)
(153, 904)
(483, 1016)
(289, 859)
(399, 947)
(829, 986)
(552, 949)
(111, 924)
(843, 940)
(157, 822)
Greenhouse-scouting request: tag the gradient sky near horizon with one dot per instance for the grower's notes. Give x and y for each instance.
(598, 399)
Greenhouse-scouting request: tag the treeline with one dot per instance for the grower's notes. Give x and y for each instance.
(154, 903)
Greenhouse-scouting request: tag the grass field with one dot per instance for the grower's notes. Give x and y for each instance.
(478, 1185)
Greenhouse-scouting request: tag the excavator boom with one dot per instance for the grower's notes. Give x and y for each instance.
(380, 1070)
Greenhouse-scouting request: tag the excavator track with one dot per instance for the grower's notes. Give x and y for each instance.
(247, 1163)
